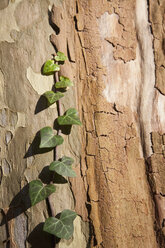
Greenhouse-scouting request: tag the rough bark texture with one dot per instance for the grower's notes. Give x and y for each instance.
(24, 47)
(116, 59)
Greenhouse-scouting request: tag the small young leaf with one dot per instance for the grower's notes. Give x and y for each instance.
(62, 227)
(50, 67)
(53, 97)
(60, 56)
(69, 118)
(63, 167)
(39, 192)
(48, 139)
(64, 82)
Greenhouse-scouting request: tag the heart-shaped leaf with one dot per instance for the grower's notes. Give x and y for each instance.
(50, 67)
(53, 97)
(63, 167)
(39, 192)
(48, 139)
(63, 83)
(60, 56)
(62, 227)
(69, 118)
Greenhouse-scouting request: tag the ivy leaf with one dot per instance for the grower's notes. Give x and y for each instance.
(50, 67)
(69, 118)
(39, 192)
(53, 97)
(60, 56)
(62, 227)
(64, 82)
(63, 167)
(48, 139)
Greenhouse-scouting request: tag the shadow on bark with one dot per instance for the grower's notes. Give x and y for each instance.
(41, 105)
(163, 46)
(65, 129)
(46, 176)
(19, 204)
(34, 147)
(40, 239)
(52, 24)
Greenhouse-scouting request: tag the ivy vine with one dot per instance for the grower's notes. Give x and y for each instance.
(61, 227)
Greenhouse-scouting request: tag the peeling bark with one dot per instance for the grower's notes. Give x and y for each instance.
(24, 47)
(115, 55)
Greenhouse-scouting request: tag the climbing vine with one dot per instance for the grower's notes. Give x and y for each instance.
(61, 227)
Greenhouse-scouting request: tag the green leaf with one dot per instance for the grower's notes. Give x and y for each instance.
(48, 139)
(62, 227)
(63, 83)
(60, 56)
(69, 118)
(63, 167)
(39, 192)
(53, 97)
(50, 67)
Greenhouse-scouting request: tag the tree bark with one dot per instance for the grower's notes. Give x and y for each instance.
(115, 55)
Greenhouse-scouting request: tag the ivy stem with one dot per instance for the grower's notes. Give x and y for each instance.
(56, 76)
(55, 156)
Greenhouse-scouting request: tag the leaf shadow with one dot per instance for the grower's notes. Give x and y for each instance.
(46, 176)
(19, 204)
(65, 129)
(34, 147)
(39, 238)
(42, 67)
(62, 90)
(41, 105)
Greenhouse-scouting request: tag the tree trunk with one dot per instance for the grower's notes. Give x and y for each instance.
(115, 52)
